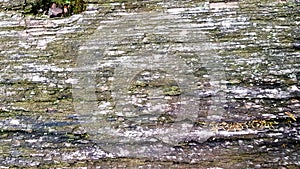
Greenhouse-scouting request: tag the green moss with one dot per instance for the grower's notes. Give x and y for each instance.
(77, 6)
(172, 90)
(165, 118)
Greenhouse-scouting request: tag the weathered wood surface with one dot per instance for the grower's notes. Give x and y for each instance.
(235, 64)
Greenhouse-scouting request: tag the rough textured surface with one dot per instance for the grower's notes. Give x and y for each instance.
(109, 87)
(14, 4)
